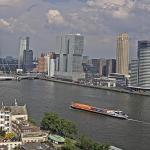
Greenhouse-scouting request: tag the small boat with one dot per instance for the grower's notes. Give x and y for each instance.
(103, 111)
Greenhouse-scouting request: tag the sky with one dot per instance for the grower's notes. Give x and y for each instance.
(100, 21)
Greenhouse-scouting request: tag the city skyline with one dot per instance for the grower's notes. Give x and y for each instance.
(99, 21)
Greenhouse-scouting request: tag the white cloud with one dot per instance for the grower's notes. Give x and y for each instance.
(55, 17)
(121, 13)
(4, 23)
(23, 24)
(144, 7)
(117, 8)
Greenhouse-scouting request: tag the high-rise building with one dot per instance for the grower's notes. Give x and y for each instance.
(41, 63)
(11, 113)
(144, 63)
(69, 56)
(27, 60)
(110, 66)
(134, 72)
(23, 45)
(27, 43)
(85, 60)
(122, 55)
(140, 68)
(51, 64)
(102, 67)
(96, 64)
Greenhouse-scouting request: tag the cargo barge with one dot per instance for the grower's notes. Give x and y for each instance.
(103, 111)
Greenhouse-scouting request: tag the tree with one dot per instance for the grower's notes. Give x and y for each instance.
(2, 132)
(9, 135)
(69, 145)
(68, 128)
(31, 120)
(50, 122)
(97, 146)
(58, 125)
(17, 148)
(87, 143)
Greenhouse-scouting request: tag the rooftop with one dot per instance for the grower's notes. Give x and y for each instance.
(18, 110)
(15, 110)
(3, 109)
(36, 146)
(40, 134)
(56, 138)
(3, 147)
(26, 126)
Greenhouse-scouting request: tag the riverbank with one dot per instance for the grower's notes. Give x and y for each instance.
(114, 89)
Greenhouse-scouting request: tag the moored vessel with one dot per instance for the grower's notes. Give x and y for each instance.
(103, 111)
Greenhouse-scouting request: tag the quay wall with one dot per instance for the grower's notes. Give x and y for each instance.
(114, 89)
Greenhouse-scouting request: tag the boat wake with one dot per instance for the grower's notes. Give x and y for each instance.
(139, 121)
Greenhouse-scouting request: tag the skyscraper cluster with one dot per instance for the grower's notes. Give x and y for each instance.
(104, 66)
(69, 56)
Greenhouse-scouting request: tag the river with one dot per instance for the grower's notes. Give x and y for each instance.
(43, 96)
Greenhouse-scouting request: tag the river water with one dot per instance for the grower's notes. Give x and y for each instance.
(43, 96)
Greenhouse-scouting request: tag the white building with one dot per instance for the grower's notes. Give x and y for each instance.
(50, 64)
(51, 68)
(11, 113)
(105, 82)
(121, 79)
(28, 132)
(34, 138)
(5, 119)
(15, 119)
(69, 56)
(10, 145)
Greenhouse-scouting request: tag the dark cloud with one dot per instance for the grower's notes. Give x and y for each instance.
(31, 7)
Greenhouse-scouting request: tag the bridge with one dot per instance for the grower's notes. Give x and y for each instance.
(18, 77)
(27, 76)
(3, 78)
